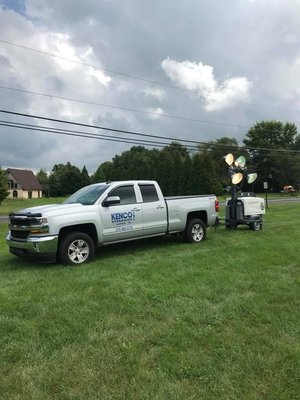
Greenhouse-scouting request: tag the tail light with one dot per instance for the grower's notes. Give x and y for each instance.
(217, 205)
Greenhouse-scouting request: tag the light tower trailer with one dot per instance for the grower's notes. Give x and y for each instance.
(244, 209)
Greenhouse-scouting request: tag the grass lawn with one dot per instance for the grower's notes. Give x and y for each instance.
(158, 319)
(9, 205)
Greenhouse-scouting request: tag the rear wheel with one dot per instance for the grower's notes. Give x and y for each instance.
(76, 248)
(195, 231)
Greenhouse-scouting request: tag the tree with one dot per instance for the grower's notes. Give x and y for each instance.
(164, 168)
(99, 175)
(43, 179)
(272, 135)
(103, 173)
(205, 177)
(3, 185)
(185, 179)
(197, 174)
(278, 167)
(64, 179)
(218, 149)
(131, 164)
(85, 178)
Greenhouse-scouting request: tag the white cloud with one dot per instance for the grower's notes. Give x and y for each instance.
(155, 112)
(240, 48)
(154, 92)
(199, 79)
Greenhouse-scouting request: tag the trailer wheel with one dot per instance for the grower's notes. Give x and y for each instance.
(76, 248)
(255, 226)
(195, 231)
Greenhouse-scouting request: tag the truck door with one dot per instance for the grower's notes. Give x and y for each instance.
(155, 218)
(124, 220)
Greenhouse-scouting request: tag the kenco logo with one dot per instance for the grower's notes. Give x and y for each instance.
(122, 217)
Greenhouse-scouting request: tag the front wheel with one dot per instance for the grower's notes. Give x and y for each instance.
(76, 248)
(195, 231)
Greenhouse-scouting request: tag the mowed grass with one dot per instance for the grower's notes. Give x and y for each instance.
(9, 205)
(158, 319)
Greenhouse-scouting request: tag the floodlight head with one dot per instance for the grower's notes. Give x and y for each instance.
(251, 178)
(229, 159)
(237, 178)
(240, 162)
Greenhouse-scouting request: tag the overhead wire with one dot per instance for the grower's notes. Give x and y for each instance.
(130, 109)
(154, 82)
(88, 135)
(84, 64)
(123, 108)
(191, 144)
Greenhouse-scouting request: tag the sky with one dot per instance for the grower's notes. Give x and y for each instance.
(188, 70)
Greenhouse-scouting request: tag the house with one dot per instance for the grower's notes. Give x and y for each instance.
(23, 184)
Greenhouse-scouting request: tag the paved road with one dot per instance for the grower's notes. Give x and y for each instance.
(284, 200)
(276, 200)
(3, 219)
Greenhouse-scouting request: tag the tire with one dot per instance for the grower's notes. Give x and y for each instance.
(255, 226)
(195, 231)
(76, 248)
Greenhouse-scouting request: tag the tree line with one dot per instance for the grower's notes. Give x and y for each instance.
(272, 149)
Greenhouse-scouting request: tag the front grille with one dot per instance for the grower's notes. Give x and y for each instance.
(20, 221)
(21, 235)
(25, 219)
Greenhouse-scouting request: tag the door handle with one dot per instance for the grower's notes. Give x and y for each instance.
(136, 209)
(159, 207)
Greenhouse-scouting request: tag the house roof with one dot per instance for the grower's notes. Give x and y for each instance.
(25, 178)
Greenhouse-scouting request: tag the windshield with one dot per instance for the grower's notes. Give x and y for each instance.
(87, 195)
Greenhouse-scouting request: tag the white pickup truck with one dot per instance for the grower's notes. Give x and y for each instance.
(106, 213)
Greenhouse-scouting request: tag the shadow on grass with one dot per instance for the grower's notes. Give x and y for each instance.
(165, 242)
(111, 252)
(11, 262)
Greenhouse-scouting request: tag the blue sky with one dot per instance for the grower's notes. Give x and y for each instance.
(17, 5)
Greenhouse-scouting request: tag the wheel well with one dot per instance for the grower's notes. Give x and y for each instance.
(197, 214)
(89, 229)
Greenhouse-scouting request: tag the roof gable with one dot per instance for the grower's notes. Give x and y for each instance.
(25, 178)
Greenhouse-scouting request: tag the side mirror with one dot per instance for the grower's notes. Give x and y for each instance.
(111, 200)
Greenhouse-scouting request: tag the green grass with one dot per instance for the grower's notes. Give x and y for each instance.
(9, 205)
(158, 319)
(270, 196)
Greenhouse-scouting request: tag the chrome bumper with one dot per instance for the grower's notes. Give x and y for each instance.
(33, 246)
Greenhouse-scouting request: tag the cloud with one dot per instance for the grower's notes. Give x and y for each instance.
(155, 112)
(199, 79)
(235, 48)
(154, 92)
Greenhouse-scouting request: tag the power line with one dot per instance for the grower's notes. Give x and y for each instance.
(88, 135)
(45, 53)
(96, 136)
(110, 71)
(197, 144)
(130, 109)
(98, 127)
(123, 108)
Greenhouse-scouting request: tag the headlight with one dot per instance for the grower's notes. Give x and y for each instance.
(42, 221)
(40, 226)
